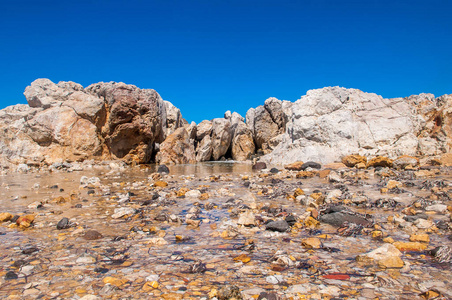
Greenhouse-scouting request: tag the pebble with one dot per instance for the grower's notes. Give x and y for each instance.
(63, 223)
(274, 279)
(4, 217)
(440, 208)
(163, 169)
(92, 235)
(122, 211)
(280, 226)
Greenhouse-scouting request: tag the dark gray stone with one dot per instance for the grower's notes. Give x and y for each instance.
(63, 224)
(259, 166)
(280, 226)
(338, 218)
(274, 170)
(163, 169)
(11, 275)
(310, 164)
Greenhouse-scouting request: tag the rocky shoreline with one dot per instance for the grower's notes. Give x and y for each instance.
(226, 231)
(67, 123)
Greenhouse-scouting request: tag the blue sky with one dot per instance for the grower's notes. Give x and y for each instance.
(210, 56)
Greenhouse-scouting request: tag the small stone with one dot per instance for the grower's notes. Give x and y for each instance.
(394, 184)
(298, 192)
(243, 258)
(11, 275)
(114, 281)
(423, 224)
(296, 166)
(247, 218)
(193, 194)
(204, 196)
(229, 292)
(324, 173)
(311, 222)
(361, 166)
(388, 240)
(92, 235)
(160, 184)
(311, 164)
(387, 256)
(193, 223)
(334, 177)
(410, 246)
(305, 174)
(86, 260)
(274, 279)
(354, 159)
(280, 226)
(163, 169)
(274, 170)
(150, 286)
(259, 166)
(442, 253)
(311, 243)
(158, 241)
(391, 262)
(404, 161)
(181, 192)
(122, 211)
(63, 224)
(440, 208)
(380, 161)
(424, 238)
(4, 217)
(25, 221)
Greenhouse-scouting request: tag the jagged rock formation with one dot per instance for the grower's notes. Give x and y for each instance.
(66, 122)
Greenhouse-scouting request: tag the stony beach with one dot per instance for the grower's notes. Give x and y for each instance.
(227, 231)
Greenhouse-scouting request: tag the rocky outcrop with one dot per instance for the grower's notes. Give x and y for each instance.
(330, 123)
(64, 121)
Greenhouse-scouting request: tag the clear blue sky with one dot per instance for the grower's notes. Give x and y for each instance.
(210, 56)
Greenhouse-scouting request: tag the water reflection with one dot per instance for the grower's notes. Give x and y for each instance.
(207, 168)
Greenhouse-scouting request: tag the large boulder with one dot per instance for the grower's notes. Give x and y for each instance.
(264, 127)
(242, 142)
(202, 129)
(221, 137)
(268, 122)
(332, 122)
(64, 121)
(204, 149)
(177, 148)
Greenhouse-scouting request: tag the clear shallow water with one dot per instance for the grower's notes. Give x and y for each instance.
(18, 190)
(59, 250)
